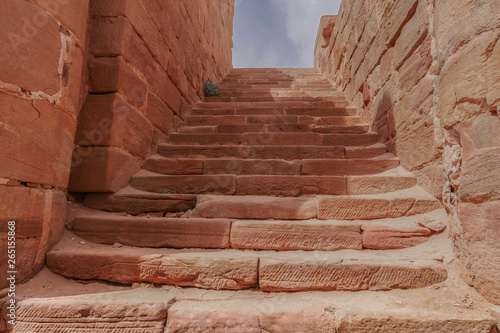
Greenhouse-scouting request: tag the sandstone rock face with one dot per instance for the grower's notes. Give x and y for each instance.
(426, 75)
(40, 95)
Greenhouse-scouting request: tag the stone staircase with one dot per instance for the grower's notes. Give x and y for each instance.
(273, 186)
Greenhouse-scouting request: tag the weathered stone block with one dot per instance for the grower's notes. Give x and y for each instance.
(31, 47)
(108, 120)
(37, 140)
(109, 75)
(159, 114)
(71, 13)
(99, 169)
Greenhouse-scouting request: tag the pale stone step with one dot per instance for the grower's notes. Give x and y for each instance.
(252, 166)
(193, 310)
(255, 207)
(308, 235)
(133, 201)
(276, 98)
(205, 151)
(366, 152)
(205, 139)
(352, 129)
(174, 166)
(269, 104)
(296, 152)
(341, 167)
(198, 129)
(347, 270)
(407, 202)
(184, 184)
(412, 201)
(323, 112)
(332, 235)
(291, 186)
(387, 181)
(153, 232)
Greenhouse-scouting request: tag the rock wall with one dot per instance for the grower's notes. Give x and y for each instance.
(114, 77)
(41, 70)
(427, 77)
(150, 59)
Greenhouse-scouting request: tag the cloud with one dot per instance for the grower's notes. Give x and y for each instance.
(302, 21)
(277, 33)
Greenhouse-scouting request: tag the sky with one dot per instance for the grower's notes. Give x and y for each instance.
(278, 33)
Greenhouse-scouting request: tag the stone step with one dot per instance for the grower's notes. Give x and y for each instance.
(352, 129)
(133, 201)
(270, 152)
(154, 232)
(290, 186)
(275, 98)
(271, 104)
(310, 235)
(281, 92)
(273, 139)
(184, 184)
(205, 139)
(407, 202)
(171, 309)
(344, 270)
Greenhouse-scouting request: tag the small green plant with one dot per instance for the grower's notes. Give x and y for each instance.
(211, 89)
(167, 192)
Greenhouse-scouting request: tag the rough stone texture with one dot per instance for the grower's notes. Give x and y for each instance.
(32, 46)
(39, 215)
(426, 76)
(204, 269)
(154, 232)
(37, 140)
(98, 169)
(365, 207)
(135, 312)
(256, 207)
(109, 75)
(276, 275)
(384, 238)
(108, 120)
(138, 203)
(286, 235)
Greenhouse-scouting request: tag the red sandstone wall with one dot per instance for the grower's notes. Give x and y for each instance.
(142, 62)
(43, 46)
(427, 74)
(150, 59)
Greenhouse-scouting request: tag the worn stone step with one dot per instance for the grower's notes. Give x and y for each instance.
(276, 98)
(170, 309)
(295, 235)
(345, 270)
(185, 184)
(198, 129)
(251, 167)
(133, 201)
(412, 201)
(330, 120)
(255, 207)
(365, 139)
(407, 202)
(269, 104)
(333, 235)
(342, 129)
(285, 139)
(153, 232)
(387, 181)
(291, 186)
(341, 167)
(205, 139)
(205, 151)
(366, 152)
(213, 120)
(323, 112)
(174, 166)
(296, 152)
(283, 92)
